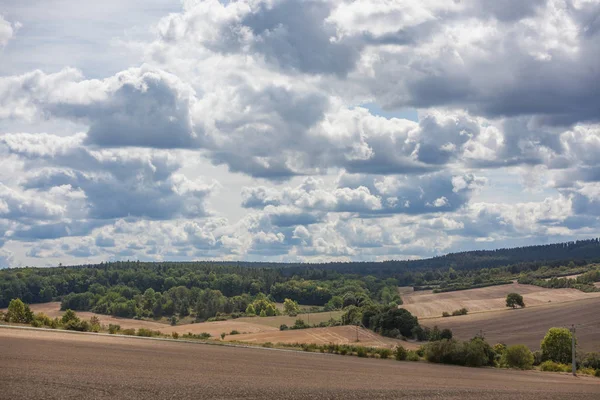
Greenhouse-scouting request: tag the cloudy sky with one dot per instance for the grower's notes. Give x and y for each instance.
(287, 130)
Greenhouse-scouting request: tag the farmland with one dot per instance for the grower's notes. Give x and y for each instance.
(528, 326)
(336, 335)
(426, 304)
(109, 367)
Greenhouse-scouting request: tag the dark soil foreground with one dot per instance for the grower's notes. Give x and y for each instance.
(53, 365)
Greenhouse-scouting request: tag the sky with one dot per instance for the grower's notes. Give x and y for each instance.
(295, 131)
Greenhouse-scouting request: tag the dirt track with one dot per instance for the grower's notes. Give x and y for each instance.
(53, 365)
(529, 325)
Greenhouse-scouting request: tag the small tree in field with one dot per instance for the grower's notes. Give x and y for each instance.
(291, 307)
(556, 345)
(514, 299)
(19, 312)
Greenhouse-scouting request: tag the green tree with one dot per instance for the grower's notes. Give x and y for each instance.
(250, 310)
(68, 316)
(556, 345)
(517, 356)
(19, 312)
(291, 307)
(514, 299)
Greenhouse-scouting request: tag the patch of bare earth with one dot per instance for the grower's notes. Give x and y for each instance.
(426, 304)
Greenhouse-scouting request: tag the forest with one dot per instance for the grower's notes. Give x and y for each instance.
(208, 289)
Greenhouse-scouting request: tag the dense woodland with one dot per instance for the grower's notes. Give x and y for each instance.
(208, 289)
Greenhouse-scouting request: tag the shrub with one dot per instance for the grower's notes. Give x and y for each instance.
(586, 371)
(462, 311)
(400, 353)
(499, 348)
(597, 373)
(551, 366)
(361, 351)
(175, 335)
(299, 324)
(77, 325)
(205, 335)
(518, 356)
(147, 332)
(591, 360)
(283, 327)
(474, 353)
(412, 356)
(445, 314)
(234, 332)
(128, 332)
(112, 329)
(267, 344)
(537, 357)
(384, 353)
(556, 345)
(223, 334)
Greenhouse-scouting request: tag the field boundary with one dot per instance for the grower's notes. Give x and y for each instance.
(199, 342)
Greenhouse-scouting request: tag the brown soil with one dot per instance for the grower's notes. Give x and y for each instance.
(426, 304)
(57, 365)
(529, 325)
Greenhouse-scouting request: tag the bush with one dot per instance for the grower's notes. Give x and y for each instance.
(412, 356)
(384, 353)
(474, 353)
(112, 329)
(147, 332)
(283, 327)
(537, 357)
(223, 334)
(556, 345)
(234, 332)
(267, 345)
(551, 366)
(586, 371)
(128, 332)
(175, 335)
(361, 351)
(300, 324)
(462, 311)
(205, 335)
(518, 356)
(445, 314)
(400, 353)
(591, 360)
(77, 325)
(597, 373)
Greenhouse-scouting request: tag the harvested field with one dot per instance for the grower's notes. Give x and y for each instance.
(217, 327)
(426, 304)
(56, 365)
(529, 325)
(246, 325)
(335, 335)
(52, 310)
(276, 322)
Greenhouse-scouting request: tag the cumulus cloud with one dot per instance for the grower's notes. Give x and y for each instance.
(7, 30)
(272, 99)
